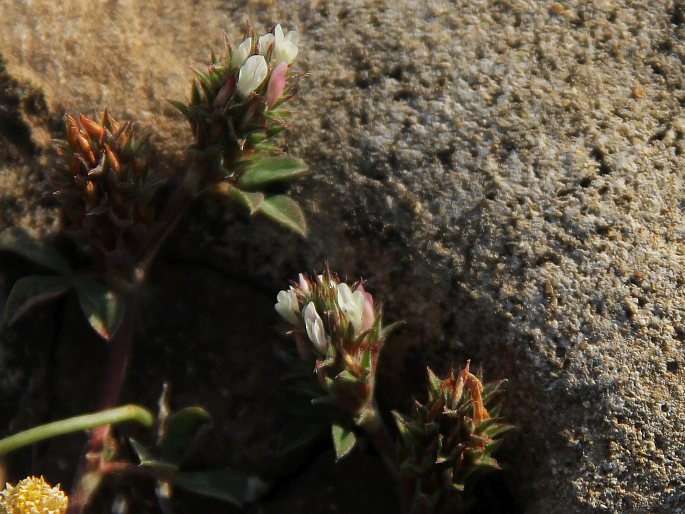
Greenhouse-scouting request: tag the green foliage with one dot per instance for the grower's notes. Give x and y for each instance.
(20, 243)
(343, 440)
(103, 307)
(261, 172)
(285, 211)
(30, 291)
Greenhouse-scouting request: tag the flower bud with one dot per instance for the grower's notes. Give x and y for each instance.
(251, 75)
(276, 84)
(224, 93)
(287, 306)
(265, 42)
(352, 305)
(239, 55)
(285, 47)
(303, 283)
(314, 326)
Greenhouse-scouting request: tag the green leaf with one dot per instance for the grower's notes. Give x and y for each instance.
(434, 380)
(149, 460)
(265, 171)
(223, 484)
(251, 201)
(19, 242)
(343, 440)
(390, 329)
(182, 107)
(103, 307)
(366, 360)
(285, 211)
(180, 429)
(30, 291)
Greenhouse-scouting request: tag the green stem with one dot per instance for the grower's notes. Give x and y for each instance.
(76, 424)
(373, 425)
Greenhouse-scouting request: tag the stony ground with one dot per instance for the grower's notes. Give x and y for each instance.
(506, 174)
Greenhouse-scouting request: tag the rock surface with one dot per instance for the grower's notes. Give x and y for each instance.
(506, 174)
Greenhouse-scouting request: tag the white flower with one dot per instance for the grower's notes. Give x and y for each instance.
(264, 43)
(251, 75)
(352, 304)
(287, 306)
(314, 325)
(239, 55)
(285, 47)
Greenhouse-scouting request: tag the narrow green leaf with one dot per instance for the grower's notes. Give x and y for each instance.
(251, 201)
(103, 307)
(19, 242)
(182, 108)
(286, 211)
(265, 171)
(433, 380)
(343, 440)
(30, 291)
(390, 329)
(223, 484)
(366, 360)
(180, 429)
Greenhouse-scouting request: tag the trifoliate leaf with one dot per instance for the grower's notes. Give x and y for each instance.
(180, 429)
(264, 171)
(223, 484)
(30, 291)
(285, 211)
(343, 440)
(103, 307)
(251, 201)
(21, 243)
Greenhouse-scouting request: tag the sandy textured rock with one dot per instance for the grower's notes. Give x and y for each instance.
(507, 175)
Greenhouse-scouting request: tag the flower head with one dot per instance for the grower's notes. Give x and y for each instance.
(314, 326)
(287, 306)
(32, 495)
(285, 46)
(251, 75)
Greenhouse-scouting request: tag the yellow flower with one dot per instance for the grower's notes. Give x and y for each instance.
(32, 496)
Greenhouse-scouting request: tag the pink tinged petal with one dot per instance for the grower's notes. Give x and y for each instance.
(303, 283)
(369, 314)
(276, 84)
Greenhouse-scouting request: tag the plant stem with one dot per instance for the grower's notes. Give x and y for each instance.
(372, 424)
(76, 424)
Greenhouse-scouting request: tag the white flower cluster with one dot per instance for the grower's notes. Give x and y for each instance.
(356, 306)
(254, 68)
